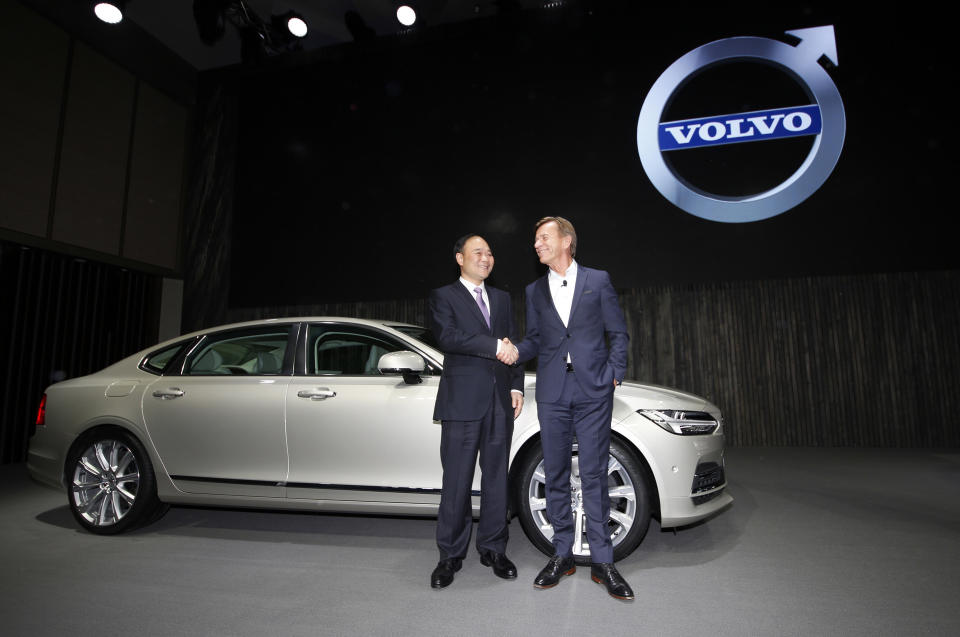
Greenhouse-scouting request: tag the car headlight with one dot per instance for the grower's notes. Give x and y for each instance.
(680, 422)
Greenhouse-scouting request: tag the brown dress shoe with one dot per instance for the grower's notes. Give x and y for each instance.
(607, 575)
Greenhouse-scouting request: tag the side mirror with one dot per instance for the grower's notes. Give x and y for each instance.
(410, 364)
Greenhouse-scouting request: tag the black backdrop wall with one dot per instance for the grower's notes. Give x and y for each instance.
(833, 323)
(376, 157)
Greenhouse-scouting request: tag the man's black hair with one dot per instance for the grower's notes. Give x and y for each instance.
(458, 246)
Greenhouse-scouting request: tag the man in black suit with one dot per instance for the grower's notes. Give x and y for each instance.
(577, 332)
(477, 401)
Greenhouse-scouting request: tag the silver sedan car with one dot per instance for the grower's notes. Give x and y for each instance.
(336, 414)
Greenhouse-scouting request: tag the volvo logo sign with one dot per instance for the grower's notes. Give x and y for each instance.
(824, 120)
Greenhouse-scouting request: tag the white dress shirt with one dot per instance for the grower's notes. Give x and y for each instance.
(561, 289)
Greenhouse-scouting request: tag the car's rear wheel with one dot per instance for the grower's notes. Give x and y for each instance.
(112, 486)
(629, 503)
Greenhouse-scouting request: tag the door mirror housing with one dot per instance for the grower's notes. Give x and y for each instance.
(409, 364)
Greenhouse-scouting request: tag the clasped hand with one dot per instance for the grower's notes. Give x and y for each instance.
(508, 353)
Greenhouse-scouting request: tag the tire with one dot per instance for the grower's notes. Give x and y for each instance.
(111, 486)
(629, 503)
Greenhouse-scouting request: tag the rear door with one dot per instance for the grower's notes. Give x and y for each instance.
(218, 424)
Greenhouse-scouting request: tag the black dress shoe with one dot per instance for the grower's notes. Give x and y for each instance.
(608, 575)
(442, 576)
(502, 566)
(556, 568)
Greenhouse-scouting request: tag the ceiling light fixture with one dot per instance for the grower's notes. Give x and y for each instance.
(297, 26)
(259, 38)
(288, 24)
(109, 12)
(406, 15)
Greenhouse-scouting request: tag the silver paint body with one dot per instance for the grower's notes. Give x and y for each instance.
(373, 447)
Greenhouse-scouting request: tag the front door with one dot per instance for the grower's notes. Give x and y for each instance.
(355, 434)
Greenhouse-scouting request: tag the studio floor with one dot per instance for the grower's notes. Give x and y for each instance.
(817, 542)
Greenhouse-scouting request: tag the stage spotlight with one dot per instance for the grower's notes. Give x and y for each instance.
(110, 12)
(406, 15)
(288, 24)
(259, 38)
(297, 26)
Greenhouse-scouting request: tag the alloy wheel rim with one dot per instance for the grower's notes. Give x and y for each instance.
(623, 504)
(105, 484)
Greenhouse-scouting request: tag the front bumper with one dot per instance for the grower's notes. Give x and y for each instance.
(689, 471)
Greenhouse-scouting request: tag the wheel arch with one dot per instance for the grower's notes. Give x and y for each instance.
(642, 454)
(103, 426)
(143, 505)
(521, 454)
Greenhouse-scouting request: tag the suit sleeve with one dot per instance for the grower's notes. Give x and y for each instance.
(530, 346)
(616, 328)
(452, 339)
(516, 372)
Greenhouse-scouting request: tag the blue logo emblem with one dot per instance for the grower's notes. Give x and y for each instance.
(824, 119)
(741, 127)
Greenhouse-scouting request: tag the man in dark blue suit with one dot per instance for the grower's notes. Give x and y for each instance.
(572, 313)
(477, 401)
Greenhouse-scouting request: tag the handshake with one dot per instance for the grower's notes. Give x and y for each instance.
(507, 352)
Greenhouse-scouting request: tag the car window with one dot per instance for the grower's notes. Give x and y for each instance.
(258, 352)
(422, 334)
(347, 350)
(157, 361)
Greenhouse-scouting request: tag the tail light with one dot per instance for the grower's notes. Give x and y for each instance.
(42, 412)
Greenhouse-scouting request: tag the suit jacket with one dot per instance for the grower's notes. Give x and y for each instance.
(595, 313)
(470, 365)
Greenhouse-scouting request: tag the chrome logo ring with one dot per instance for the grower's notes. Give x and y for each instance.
(801, 62)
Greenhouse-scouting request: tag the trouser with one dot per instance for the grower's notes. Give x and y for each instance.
(575, 413)
(460, 442)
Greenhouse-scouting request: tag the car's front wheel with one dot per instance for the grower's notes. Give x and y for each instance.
(629, 503)
(112, 487)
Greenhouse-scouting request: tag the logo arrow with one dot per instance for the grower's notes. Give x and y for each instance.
(817, 41)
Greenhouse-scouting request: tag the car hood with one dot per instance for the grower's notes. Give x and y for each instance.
(631, 396)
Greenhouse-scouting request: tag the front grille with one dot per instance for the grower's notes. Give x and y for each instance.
(709, 475)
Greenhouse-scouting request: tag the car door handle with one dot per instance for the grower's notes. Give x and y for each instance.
(320, 393)
(167, 394)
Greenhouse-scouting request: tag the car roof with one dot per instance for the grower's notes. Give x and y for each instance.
(390, 325)
(297, 319)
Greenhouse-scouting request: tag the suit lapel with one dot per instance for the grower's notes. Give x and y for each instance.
(543, 285)
(578, 291)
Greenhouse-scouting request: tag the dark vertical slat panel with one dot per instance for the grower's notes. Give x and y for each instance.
(865, 360)
(62, 317)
